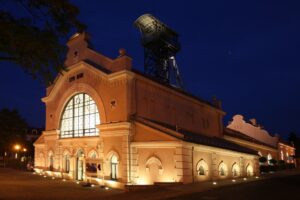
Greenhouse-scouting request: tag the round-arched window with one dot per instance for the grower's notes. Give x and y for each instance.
(80, 117)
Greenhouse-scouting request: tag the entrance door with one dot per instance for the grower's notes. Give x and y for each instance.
(114, 167)
(113, 171)
(79, 169)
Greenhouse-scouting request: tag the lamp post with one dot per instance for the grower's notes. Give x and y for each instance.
(17, 148)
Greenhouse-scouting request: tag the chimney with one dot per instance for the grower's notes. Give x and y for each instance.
(253, 121)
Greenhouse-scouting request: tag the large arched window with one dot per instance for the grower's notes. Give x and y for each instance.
(80, 117)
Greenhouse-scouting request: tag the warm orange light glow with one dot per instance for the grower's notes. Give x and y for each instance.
(24, 149)
(17, 147)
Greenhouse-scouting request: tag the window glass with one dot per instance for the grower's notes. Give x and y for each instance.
(80, 117)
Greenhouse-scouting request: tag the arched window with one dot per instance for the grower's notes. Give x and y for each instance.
(201, 171)
(202, 168)
(260, 154)
(222, 169)
(235, 170)
(269, 158)
(249, 170)
(93, 154)
(80, 117)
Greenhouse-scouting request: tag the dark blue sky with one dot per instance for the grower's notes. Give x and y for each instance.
(244, 52)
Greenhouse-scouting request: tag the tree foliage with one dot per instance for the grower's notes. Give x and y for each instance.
(12, 128)
(295, 140)
(33, 34)
(262, 159)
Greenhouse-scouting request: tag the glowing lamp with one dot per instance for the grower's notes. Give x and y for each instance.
(17, 147)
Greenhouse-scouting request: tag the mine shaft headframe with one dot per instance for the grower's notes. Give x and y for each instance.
(160, 46)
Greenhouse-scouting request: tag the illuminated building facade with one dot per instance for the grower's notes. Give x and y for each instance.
(252, 135)
(108, 123)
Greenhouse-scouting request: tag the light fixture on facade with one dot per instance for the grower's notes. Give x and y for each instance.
(45, 176)
(214, 183)
(64, 180)
(53, 177)
(92, 185)
(77, 182)
(233, 180)
(244, 179)
(256, 177)
(106, 188)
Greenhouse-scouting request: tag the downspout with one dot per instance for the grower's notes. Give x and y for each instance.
(193, 164)
(129, 154)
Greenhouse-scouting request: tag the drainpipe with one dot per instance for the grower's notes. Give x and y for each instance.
(193, 164)
(129, 155)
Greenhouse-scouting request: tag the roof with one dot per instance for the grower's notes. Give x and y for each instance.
(101, 68)
(285, 143)
(174, 88)
(40, 140)
(237, 134)
(197, 138)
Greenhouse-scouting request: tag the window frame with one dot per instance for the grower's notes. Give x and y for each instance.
(75, 120)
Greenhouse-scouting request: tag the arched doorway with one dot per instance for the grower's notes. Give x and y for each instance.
(66, 163)
(79, 165)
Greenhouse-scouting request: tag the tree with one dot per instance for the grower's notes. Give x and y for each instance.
(12, 128)
(35, 39)
(295, 140)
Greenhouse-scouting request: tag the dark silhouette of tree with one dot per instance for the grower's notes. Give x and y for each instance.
(33, 34)
(12, 129)
(295, 140)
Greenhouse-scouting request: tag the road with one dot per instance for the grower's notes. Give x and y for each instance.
(283, 188)
(24, 185)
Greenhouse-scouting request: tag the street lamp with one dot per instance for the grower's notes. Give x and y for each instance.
(17, 147)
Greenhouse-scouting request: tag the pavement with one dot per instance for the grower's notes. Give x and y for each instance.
(25, 185)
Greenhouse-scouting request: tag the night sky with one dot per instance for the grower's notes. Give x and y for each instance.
(244, 52)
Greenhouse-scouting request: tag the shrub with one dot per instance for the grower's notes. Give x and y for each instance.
(262, 159)
(281, 162)
(290, 165)
(273, 161)
(264, 168)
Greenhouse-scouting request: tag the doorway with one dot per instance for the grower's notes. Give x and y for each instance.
(114, 167)
(79, 164)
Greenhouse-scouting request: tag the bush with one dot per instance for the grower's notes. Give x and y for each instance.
(273, 161)
(262, 159)
(281, 162)
(264, 168)
(290, 165)
(281, 165)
